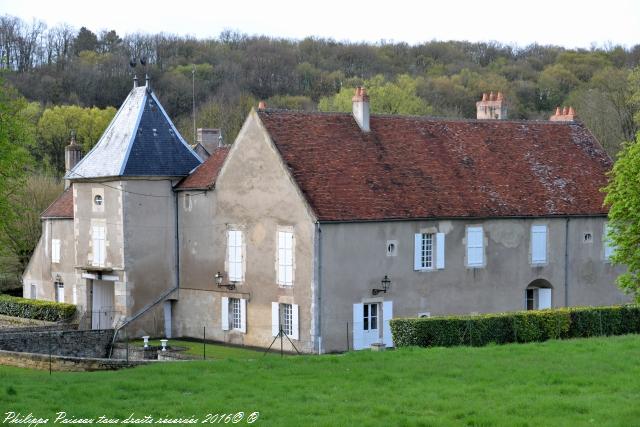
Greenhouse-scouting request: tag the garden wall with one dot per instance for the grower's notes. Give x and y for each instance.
(90, 343)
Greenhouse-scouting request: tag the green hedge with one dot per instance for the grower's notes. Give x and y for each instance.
(520, 326)
(36, 309)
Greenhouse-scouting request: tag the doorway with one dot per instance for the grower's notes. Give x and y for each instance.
(103, 311)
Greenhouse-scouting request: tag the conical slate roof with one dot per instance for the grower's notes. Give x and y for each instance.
(141, 140)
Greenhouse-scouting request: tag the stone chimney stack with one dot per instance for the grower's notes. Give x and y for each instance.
(492, 106)
(209, 139)
(72, 155)
(565, 114)
(361, 108)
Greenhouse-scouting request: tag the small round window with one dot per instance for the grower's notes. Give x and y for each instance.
(97, 200)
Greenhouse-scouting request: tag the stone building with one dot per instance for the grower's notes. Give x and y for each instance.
(327, 225)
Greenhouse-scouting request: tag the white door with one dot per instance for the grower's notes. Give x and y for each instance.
(103, 306)
(370, 324)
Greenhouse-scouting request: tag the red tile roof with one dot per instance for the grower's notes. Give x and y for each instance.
(418, 167)
(204, 176)
(62, 207)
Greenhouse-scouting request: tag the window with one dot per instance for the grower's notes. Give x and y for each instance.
(475, 247)
(607, 244)
(234, 245)
(537, 298)
(59, 288)
(538, 244)
(99, 245)
(370, 318)
(428, 251)
(285, 258)
(234, 314)
(286, 316)
(55, 250)
(33, 291)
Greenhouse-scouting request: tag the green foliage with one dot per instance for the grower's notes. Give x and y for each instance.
(623, 199)
(20, 227)
(582, 382)
(56, 125)
(387, 97)
(522, 326)
(36, 309)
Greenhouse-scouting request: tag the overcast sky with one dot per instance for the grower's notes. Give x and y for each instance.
(567, 23)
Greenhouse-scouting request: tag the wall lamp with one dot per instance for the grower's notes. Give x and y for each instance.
(385, 282)
(219, 277)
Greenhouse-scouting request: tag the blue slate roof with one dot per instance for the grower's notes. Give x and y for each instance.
(140, 141)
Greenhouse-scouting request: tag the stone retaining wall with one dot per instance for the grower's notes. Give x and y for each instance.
(90, 343)
(63, 363)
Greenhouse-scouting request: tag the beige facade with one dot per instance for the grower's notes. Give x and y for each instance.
(256, 195)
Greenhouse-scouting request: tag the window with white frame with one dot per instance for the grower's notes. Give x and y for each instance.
(607, 244)
(233, 314)
(428, 251)
(285, 258)
(98, 236)
(55, 250)
(475, 246)
(286, 316)
(59, 288)
(538, 244)
(234, 255)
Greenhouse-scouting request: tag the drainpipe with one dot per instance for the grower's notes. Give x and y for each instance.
(319, 289)
(566, 262)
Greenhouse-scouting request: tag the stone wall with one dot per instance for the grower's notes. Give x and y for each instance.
(91, 343)
(63, 363)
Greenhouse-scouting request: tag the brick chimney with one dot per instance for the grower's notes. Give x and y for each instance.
(492, 106)
(72, 155)
(361, 108)
(565, 114)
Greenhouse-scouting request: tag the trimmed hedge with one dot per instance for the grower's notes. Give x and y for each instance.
(520, 326)
(36, 309)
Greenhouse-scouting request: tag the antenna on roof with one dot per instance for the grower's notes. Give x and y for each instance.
(132, 64)
(193, 95)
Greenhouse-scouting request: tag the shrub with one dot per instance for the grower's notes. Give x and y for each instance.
(36, 309)
(520, 326)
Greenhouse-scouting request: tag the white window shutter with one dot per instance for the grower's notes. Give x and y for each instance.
(387, 315)
(417, 252)
(357, 327)
(243, 316)
(294, 322)
(275, 318)
(475, 246)
(544, 298)
(539, 244)
(440, 251)
(224, 313)
(55, 250)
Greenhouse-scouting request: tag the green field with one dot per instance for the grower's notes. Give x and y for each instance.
(575, 382)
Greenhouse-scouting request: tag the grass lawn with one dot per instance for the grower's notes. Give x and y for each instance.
(215, 351)
(576, 382)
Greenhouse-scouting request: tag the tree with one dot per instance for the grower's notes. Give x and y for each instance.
(85, 40)
(623, 198)
(21, 227)
(398, 97)
(55, 127)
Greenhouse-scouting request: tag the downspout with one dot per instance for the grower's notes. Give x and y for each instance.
(319, 289)
(566, 262)
(165, 294)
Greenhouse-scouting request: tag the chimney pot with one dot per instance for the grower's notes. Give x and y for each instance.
(262, 105)
(491, 107)
(565, 111)
(72, 155)
(572, 112)
(558, 112)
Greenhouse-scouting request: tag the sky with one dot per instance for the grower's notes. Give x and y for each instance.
(568, 23)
